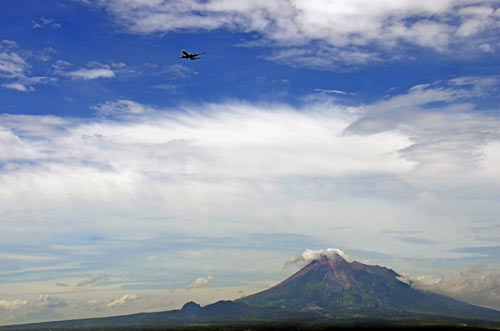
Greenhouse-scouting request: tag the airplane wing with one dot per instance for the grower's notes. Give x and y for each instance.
(196, 54)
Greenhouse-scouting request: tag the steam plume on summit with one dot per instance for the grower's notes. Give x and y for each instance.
(310, 255)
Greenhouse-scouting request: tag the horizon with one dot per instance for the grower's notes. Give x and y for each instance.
(132, 180)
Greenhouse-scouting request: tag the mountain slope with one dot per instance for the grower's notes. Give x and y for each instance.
(337, 286)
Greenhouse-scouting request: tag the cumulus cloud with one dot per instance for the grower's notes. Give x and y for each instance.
(50, 302)
(9, 305)
(476, 284)
(199, 282)
(334, 33)
(310, 255)
(123, 300)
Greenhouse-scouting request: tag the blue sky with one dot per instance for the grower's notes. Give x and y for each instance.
(132, 180)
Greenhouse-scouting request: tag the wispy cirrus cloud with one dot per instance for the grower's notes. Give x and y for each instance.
(93, 70)
(45, 22)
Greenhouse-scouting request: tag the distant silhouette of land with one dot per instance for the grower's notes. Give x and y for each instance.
(327, 294)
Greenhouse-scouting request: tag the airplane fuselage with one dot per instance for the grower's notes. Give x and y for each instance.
(191, 56)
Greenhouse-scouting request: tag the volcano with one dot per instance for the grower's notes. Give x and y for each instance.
(333, 287)
(328, 290)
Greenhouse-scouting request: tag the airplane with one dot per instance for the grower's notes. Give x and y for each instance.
(191, 56)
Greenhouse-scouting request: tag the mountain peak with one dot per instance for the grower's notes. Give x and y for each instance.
(191, 307)
(330, 281)
(331, 260)
(330, 284)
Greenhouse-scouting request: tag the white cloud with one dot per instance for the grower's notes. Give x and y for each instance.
(487, 48)
(122, 107)
(310, 255)
(481, 11)
(87, 282)
(12, 304)
(24, 257)
(93, 70)
(476, 284)
(123, 300)
(471, 27)
(167, 87)
(91, 73)
(12, 65)
(45, 22)
(450, 139)
(18, 87)
(177, 71)
(335, 29)
(50, 302)
(56, 267)
(330, 91)
(202, 166)
(16, 70)
(199, 282)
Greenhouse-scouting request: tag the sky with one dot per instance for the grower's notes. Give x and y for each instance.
(132, 180)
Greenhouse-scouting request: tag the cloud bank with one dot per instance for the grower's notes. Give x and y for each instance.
(476, 284)
(324, 33)
(204, 165)
(12, 304)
